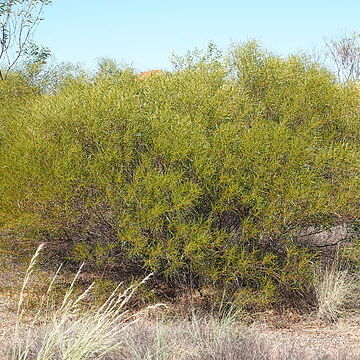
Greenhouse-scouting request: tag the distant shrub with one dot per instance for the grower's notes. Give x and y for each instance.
(202, 175)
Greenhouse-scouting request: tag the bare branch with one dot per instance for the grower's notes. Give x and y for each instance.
(344, 53)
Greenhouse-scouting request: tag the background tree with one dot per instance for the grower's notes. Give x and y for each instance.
(18, 22)
(344, 53)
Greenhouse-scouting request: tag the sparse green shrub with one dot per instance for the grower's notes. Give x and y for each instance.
(201, 175)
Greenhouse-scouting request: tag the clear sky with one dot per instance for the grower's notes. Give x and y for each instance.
(145, 33)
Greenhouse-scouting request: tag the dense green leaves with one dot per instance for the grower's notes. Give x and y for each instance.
(203, 174)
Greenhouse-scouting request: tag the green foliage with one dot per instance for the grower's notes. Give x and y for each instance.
(50, 76)
(203, 175)
(19, 20)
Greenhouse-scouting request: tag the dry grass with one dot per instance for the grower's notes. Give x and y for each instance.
(72, 331)
(65, 332)
(337, 291)
(190, 339)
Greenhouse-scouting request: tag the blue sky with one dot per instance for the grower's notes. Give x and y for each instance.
(145, 33)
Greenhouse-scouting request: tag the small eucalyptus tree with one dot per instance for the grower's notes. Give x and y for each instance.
(18, 22)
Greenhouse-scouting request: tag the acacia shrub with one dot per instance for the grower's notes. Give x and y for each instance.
(203, 175)
(16, 98)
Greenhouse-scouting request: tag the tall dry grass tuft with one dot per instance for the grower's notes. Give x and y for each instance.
(336, 291)
(65, 332)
